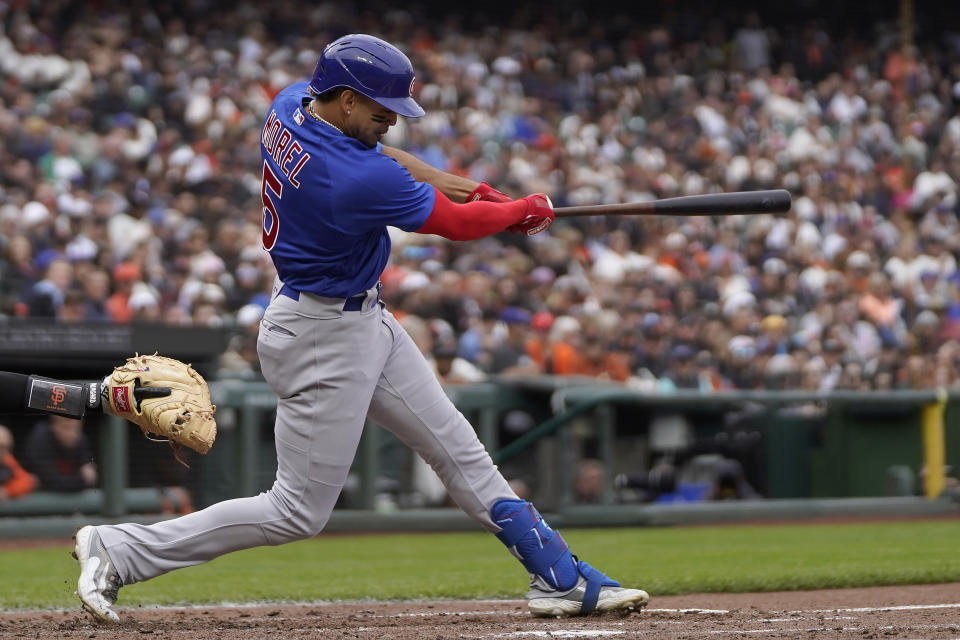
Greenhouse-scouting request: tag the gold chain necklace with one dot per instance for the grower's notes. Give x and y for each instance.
(316, 116)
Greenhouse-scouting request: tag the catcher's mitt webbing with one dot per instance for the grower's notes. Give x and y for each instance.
(166, 398)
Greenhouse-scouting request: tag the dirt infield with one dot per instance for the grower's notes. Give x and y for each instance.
(920, 611)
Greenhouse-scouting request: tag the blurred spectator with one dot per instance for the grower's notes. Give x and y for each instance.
(18, 272)
(72, 309)
(741, 366)
(683, 373)
(879, 306)
(96, 291)
(509, 356)
(832, 366)
(752, 43)
(773, 337)
(125, 275)
(522, 488)
(709, 373)
(14, 481)
(781, 372)
(588, 485)
(240, 357)
(451, 368)
(537, 346)
(588, 355)
(47, 296)
(59, 454)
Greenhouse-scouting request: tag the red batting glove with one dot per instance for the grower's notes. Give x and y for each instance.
(539, 215)
(485, 192)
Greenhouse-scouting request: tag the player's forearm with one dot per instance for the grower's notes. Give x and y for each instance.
(472, 220)
(20, 393)
(455, 187)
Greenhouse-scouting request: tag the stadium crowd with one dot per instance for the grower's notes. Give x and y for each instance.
(130, 187)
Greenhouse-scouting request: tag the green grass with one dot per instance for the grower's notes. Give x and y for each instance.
(475, 565)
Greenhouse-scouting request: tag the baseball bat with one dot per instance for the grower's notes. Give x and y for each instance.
(711, 204)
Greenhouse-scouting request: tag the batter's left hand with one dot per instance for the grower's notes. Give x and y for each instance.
(538, 218)
(487, 193)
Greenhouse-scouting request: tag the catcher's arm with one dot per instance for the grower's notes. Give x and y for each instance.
(21, 393)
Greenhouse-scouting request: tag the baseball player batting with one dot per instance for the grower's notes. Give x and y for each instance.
(334, 354)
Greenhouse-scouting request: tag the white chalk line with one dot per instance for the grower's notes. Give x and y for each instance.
(769, 620)
(597, 633)
(930, 627)
(904, 607)
(559, 633)
(689, 610)
(440, 614)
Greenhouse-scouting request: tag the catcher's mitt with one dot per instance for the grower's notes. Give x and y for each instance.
(164, 397)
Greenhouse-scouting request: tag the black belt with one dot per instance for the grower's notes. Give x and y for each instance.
(353, 303)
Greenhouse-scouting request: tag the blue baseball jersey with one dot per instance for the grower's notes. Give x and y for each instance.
(328, 200)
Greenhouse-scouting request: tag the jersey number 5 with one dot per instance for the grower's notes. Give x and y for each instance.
(271, 219)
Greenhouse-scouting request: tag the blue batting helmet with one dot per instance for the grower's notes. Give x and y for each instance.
(370, 66)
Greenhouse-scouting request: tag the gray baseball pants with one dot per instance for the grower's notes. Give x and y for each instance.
(330, 368)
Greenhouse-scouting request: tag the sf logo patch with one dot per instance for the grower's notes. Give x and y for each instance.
(57, 395)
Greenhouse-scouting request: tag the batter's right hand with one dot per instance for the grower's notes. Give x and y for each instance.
(487, 193)
(539, 215)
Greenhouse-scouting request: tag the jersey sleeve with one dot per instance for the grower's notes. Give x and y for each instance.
(383, 194)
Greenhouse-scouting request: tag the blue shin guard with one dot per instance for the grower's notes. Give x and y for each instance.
(541, 549)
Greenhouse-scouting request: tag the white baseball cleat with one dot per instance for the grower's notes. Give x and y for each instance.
(610, 598)
(99, 581)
